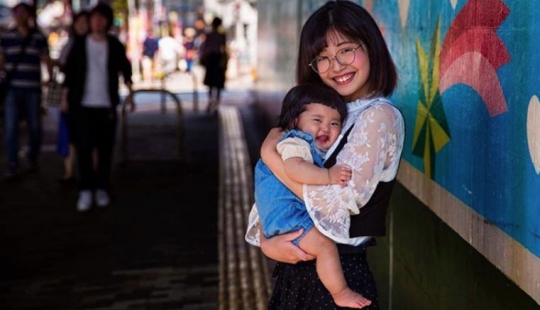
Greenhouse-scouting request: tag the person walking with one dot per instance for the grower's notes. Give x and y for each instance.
(169, 51)
(65, 142)
(190, 49)
(22, 50)
(90, 92)
(149, 51)
(214, 58)
(341, 46)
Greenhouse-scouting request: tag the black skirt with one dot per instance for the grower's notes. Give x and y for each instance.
(215, 71)
(298, 286)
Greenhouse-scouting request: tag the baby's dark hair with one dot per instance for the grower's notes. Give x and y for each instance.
(299, 96)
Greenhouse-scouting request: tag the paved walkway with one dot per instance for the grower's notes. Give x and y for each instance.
(156, 246)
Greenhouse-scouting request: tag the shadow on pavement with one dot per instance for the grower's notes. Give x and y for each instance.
(155, 247)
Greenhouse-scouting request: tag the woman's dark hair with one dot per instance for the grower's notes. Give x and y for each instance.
(216, 22)
(298, 97)
(104, 10)
(74, 20)
(355, 23)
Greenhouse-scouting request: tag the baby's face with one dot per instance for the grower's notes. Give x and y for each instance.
(322, 122)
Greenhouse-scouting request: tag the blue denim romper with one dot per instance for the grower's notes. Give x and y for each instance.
(280, 210)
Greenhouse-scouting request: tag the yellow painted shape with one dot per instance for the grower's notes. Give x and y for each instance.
(421, 115)
(440, 137)
(436, 60)
(423, 65)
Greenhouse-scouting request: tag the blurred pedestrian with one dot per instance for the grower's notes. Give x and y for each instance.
(190, 48)
(22, 49)
(65, 143)
(150, 49)
(169, 51)
(214, 58)
(91, 90)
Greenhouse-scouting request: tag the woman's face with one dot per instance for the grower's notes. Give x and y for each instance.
(322, 122)
(350, 81)
(81, 26)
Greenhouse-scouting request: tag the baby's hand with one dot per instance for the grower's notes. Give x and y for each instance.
(340, 174)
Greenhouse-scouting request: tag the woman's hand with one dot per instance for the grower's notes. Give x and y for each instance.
(281, 248)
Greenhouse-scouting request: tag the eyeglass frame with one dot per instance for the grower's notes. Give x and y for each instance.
(334, 58)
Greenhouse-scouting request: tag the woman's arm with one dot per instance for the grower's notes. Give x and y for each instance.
(373, 151)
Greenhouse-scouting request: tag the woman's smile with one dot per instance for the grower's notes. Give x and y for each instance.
(343, 79)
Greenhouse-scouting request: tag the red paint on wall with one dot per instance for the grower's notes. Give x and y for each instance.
(472, 52)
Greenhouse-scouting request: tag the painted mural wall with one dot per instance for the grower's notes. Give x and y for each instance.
(469, 89)
(470, 97)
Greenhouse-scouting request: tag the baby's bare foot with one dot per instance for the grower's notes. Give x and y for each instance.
(351, 299)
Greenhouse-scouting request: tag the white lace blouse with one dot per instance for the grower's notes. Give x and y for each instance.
(373, 151)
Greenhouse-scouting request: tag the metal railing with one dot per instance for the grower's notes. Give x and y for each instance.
(124, 141)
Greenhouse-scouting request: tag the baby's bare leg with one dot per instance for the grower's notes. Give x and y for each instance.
(329, 269)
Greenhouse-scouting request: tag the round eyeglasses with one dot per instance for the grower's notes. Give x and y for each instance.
(344, 56)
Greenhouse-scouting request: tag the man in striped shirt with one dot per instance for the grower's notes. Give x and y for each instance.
(22, 69)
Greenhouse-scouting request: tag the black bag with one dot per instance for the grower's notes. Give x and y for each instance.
(53, 90)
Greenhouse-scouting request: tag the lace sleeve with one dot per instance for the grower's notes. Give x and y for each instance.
(253, 231)
(373, 151)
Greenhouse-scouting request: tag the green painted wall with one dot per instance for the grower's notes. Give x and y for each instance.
(424, 265)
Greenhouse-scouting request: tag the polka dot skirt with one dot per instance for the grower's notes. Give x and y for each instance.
(298, 286)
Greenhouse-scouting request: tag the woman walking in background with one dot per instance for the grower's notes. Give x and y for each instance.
(214, 58)
(65, 143)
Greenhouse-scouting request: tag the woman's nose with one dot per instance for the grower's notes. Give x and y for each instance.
(335, 64)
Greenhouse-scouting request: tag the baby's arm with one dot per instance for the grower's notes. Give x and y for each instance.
(304, 172)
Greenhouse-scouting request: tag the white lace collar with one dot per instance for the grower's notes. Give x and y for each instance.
(361, 104)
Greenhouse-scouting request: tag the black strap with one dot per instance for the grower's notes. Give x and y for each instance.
(331, 161)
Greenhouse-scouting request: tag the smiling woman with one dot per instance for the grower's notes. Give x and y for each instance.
(458, 193)
(363, 73)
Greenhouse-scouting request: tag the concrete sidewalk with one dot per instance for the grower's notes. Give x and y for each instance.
(155, 247)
